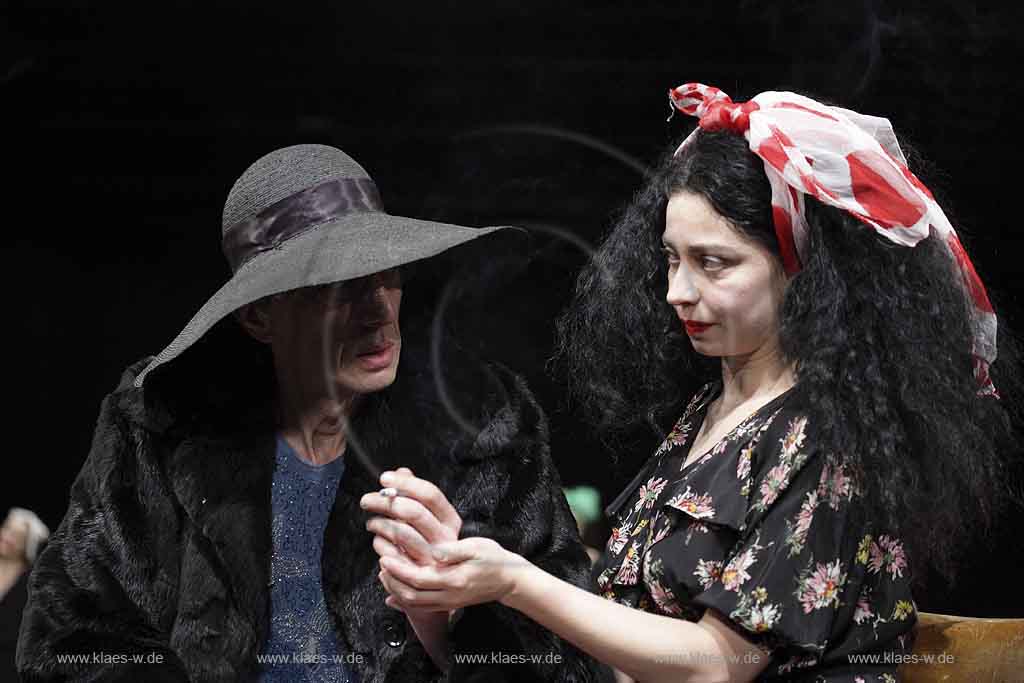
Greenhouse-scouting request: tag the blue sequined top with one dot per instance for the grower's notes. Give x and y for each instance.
(302, 644)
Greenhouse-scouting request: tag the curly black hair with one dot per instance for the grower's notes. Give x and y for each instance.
(880, 336)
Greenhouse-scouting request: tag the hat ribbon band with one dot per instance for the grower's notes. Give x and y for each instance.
(296, 214)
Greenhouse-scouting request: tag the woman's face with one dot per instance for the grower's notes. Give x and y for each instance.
(725, 288)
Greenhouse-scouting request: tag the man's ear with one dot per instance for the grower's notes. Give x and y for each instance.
(255, 319)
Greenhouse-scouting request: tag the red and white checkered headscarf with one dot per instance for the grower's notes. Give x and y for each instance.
(848, 160)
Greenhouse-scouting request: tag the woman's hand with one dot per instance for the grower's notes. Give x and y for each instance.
(466, 572)
(416, 529)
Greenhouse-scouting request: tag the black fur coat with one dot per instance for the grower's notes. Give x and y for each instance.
(165, 547)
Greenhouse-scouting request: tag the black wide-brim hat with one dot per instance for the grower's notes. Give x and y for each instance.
(308, 215)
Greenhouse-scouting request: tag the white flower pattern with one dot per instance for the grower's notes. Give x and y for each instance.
(707, 572)
(735, 573)
(650, 491)
(698, 506)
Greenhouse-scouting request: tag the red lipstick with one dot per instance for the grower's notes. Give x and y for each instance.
(694, 327)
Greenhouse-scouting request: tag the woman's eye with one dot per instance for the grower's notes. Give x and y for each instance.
(670, 257)
(711, 263)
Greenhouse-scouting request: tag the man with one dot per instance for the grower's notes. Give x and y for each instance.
(215, 534)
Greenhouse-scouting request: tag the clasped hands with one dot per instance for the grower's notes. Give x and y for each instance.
(425, 568)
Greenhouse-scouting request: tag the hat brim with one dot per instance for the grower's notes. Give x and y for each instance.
(350, 247)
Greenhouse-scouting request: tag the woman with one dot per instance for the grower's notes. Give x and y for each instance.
(771, 534)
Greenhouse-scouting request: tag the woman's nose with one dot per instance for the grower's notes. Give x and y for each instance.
(681, 289)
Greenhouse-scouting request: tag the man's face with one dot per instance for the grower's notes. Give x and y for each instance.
(336, 340)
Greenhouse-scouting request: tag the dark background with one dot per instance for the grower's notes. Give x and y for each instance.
(125, 124)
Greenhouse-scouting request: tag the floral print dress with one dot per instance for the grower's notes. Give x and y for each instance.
(761, 528)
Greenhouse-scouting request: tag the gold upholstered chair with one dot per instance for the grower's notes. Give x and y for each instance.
(966, 649)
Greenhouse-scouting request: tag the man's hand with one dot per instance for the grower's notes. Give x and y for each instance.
(407, 526)
(409, 523)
